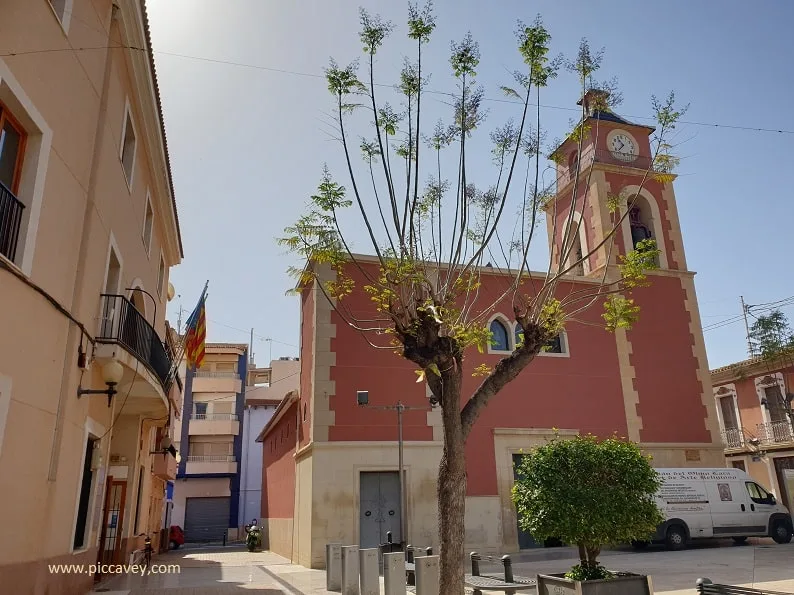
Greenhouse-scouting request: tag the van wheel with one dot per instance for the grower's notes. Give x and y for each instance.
(639, 545)
(675, 538)
(781, 532)
(740, 539)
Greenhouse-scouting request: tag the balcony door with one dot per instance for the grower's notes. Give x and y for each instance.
(730, 421)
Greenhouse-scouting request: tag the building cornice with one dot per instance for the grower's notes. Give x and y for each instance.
(281, 410)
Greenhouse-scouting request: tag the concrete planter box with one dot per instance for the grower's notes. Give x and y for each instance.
(623, 584)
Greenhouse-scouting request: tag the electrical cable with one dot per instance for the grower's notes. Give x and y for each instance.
(386, 85)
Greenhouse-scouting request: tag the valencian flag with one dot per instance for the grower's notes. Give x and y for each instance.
(196, 333)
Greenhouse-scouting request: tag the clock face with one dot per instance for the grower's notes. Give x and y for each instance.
(623, 148)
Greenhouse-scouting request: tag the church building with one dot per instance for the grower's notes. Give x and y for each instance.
(330, 465)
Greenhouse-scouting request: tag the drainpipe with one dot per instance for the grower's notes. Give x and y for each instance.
(69, 360)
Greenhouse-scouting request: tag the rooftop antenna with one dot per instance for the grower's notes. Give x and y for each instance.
(745, 309)
(251, 349)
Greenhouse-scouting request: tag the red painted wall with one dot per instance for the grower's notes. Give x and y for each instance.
(386, 375)
(581, 392)
(278, 468)
(665, 366)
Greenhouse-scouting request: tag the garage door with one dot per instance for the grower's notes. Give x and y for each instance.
(206, 519)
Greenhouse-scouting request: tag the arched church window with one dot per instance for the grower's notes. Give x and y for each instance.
(500, 340)
(639, 230)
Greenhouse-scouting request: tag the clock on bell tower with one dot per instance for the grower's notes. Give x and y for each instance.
(610, 172)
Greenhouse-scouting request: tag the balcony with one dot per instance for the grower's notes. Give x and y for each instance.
(10, 222)
(776, 432)
(214, 424)
(125, 335)
(216, 382)
(567, 174)
(733, 438)
(164, 467)
(200, 464)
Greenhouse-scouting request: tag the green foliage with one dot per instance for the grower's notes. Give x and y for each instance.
(771, 336)
(588, 492)
(373, 32)
(667, 117)
(552, 317)
(533, 45)
(465, 57)
(316, 236)
(343, 81)
(586, 62)
(481, 370)
(588, 572)
(620, 312)
(421, 23)
(633, 266)
(410, 83)
(614, 201)
(389, 119)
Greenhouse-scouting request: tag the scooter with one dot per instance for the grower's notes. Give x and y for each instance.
(254, 537)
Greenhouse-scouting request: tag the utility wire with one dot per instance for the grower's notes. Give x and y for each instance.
(321, 76)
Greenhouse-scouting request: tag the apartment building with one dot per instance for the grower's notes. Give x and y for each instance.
(753, 399)
(206, 495)
(88, 233)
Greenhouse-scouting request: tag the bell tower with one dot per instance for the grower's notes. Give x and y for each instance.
(615, 170)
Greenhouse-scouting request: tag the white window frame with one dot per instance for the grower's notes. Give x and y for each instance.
(128, 114)
(576, 220)
(91, 429)
(566, 348)
(65, 19)
(731, 388)
(161, 278)
(761, 393)
(38, 147)
(508, 329)
(147, 241)
(655, 222)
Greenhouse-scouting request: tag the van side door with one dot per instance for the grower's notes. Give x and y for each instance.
(729, 508)
(761, 506)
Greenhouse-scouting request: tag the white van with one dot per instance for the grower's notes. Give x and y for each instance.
(717, 503)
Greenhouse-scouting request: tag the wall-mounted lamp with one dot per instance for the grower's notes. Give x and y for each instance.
(112, 373)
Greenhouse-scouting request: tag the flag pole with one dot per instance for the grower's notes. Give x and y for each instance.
(180, 351)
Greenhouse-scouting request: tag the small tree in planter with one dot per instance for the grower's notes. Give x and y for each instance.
(587, 492)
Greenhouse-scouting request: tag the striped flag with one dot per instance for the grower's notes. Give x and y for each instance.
(196, 334)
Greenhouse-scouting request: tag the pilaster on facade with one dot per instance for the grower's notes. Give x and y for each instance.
(323, 358)
(631, 397)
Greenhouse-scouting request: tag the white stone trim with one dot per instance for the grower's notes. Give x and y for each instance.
(34, 166)
(114, 247)
(5, 402)
(63, 20)
(147, 242)
(128, 112)
(91, 428)
(655, 222)
(732, 394)
(509, 330)
(576, 220)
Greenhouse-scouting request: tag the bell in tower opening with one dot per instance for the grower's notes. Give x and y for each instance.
(639, 231)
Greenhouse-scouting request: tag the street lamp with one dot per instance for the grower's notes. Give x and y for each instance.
(362, 396)
(112, 373)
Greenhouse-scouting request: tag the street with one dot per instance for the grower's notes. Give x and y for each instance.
(216, 571)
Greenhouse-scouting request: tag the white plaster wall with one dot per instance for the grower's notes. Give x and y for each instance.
(254, 419)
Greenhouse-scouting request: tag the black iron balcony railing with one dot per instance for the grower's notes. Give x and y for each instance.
(10, 222)
(122, 323)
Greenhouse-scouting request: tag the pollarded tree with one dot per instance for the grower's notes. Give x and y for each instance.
(431, 243)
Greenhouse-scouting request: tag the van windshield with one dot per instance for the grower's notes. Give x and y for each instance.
(758, 494)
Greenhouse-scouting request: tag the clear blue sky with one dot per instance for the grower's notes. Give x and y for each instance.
(247, 144)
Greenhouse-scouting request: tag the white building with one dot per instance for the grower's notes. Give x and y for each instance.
(266, 388)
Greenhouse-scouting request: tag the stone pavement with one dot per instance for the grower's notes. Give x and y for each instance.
(223, 571)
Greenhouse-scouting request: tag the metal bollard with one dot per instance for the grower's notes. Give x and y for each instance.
(508, 564)
(429, 551)
(475, 563)
(409, 554)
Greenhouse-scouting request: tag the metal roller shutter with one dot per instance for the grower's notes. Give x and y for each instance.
(206, 519)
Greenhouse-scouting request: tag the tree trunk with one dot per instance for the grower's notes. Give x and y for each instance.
(452, 490)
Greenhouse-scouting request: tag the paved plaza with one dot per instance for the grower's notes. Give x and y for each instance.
(222, 571)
